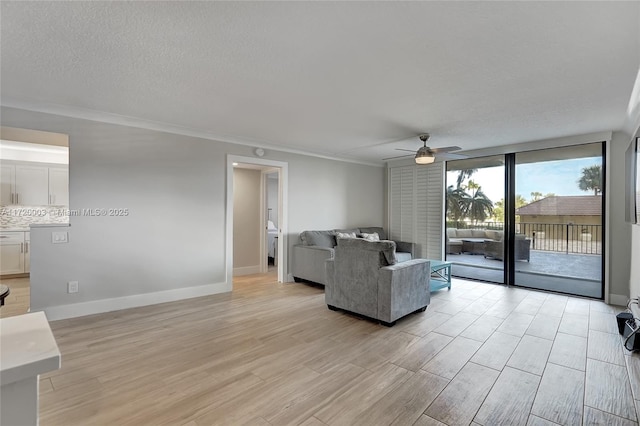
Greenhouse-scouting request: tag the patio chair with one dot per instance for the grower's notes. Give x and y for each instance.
(495, 249)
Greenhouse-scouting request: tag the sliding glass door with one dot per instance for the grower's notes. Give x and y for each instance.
(475, 217)
(549, 232)
(559, 222)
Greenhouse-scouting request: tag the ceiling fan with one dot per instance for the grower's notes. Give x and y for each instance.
(426, 155)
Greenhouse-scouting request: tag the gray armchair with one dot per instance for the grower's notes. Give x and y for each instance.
(364, 278)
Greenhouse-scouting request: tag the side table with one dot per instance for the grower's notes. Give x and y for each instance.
(440, 275)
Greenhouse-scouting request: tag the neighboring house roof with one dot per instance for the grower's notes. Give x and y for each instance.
(579, 205)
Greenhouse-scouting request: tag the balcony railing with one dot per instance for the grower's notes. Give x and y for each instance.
(558, 237)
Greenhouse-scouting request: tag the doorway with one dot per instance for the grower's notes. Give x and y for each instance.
(34, 189)
(270, 207)
(264, 168)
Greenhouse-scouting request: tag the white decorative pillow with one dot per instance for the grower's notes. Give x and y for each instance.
(371, 237)
(346, 235)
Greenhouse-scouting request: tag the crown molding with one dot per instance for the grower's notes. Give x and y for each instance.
(124, 120)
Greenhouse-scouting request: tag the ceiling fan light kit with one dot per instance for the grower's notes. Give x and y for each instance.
(426, 155)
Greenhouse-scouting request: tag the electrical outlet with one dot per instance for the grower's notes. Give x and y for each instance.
(73, 287)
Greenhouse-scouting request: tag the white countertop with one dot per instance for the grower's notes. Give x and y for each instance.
(27, 347)
(33, 225)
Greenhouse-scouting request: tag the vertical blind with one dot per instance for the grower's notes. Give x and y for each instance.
(416, 207)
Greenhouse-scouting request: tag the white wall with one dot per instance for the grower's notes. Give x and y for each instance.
(619, 230)
(246, 221)
(171, 245)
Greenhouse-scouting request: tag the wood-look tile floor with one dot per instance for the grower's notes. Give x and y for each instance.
(273, 354)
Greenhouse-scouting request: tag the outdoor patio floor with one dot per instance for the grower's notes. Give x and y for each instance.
(579, 274)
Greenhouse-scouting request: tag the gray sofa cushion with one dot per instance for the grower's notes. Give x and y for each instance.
(318, 238)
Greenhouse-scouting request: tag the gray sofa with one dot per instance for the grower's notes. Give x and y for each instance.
(315, 247)
(486, 242)
(365, 278)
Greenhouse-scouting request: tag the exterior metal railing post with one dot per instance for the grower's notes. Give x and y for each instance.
(568, 225)
(533, 233)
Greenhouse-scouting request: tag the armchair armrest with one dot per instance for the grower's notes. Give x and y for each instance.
(308, 263)
(406, 248)
(403, 288)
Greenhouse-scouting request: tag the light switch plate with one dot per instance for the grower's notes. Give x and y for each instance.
(72, 287)
(59, 237)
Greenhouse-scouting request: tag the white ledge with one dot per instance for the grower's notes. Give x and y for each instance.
(27, 348)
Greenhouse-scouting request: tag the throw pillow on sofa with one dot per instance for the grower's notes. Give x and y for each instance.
(378, 230)
(370, 237)
(346, 235)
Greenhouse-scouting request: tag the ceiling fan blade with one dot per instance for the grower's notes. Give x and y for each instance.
(408, 150)
(446, 149)
(446, 156)
(401, 156)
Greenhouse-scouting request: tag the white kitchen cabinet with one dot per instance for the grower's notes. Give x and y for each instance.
(32, 185)
(11, 253)
(7, 184)
(59, 186)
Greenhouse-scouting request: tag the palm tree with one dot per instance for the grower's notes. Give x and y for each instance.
(498, 208)
(480, 206)
(457, 204)
(535, 196)
(464, 174)
(591, 179)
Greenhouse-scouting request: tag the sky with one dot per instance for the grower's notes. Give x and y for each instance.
(559, 177)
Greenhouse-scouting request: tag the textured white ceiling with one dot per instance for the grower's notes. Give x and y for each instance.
(334, 78)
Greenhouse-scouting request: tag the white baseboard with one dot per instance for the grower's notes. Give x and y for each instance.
(117, 303)
(246, 270)
(618, 299)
